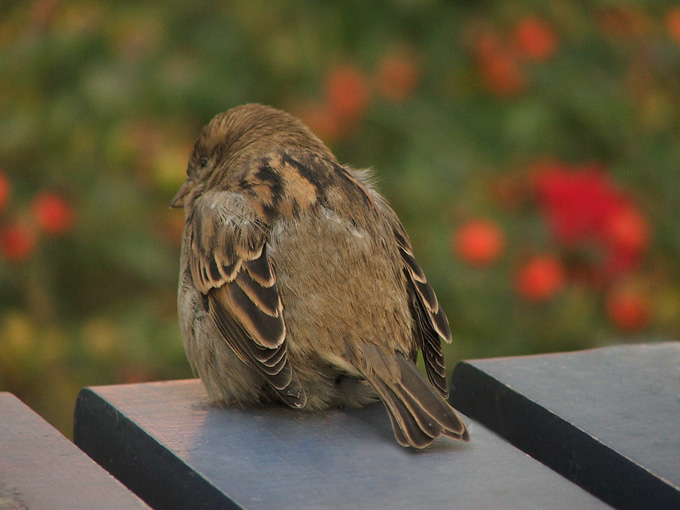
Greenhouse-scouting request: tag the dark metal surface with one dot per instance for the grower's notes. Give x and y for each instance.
(607, 419)
(174, 450)
(41, 469)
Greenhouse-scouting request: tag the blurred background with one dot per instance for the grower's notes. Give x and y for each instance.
(531, 148)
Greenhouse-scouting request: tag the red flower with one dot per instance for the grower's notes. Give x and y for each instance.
(585, 209)
(347, 92)
(398, 76)
(479, 242)
(535, 38)
(540, 278)
(5, 189)
(575, 203)
(17, 242)
(52, 213)
(628, 310)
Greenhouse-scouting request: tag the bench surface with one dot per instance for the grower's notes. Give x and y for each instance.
(41, 469)
(166, 443)
(607, 419)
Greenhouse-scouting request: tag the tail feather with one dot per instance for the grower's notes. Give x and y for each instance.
(418, 413)
(407, 430)
(428, 401)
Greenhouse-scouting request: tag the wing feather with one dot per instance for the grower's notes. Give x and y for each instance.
(229, 265)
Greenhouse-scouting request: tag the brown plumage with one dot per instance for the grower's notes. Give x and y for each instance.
(298, 281)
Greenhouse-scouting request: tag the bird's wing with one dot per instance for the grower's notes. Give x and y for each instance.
(230, 268)
(430, 319)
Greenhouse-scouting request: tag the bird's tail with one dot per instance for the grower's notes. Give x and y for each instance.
(419, 414)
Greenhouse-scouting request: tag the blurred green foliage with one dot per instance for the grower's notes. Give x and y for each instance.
(452, 103)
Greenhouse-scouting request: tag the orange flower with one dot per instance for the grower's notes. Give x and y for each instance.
(322, 121)
(673, 23)
(398, 76)
(347, 92)
(625, 22)
(502, 75)
(535, 38)
(540, 278)
(628, 231)
(5, 189)
(479, 242)
(52, 213)
(17, 242)
(628, 310)
(498, 66)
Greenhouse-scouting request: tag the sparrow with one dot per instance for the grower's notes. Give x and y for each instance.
(298, 282)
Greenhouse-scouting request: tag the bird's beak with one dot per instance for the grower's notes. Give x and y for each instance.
(178, 201)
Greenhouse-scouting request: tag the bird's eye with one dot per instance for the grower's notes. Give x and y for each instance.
(204, 162)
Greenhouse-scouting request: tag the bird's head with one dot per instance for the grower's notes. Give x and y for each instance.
(231, 139)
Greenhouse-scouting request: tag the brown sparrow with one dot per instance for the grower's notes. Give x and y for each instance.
(298, 281)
